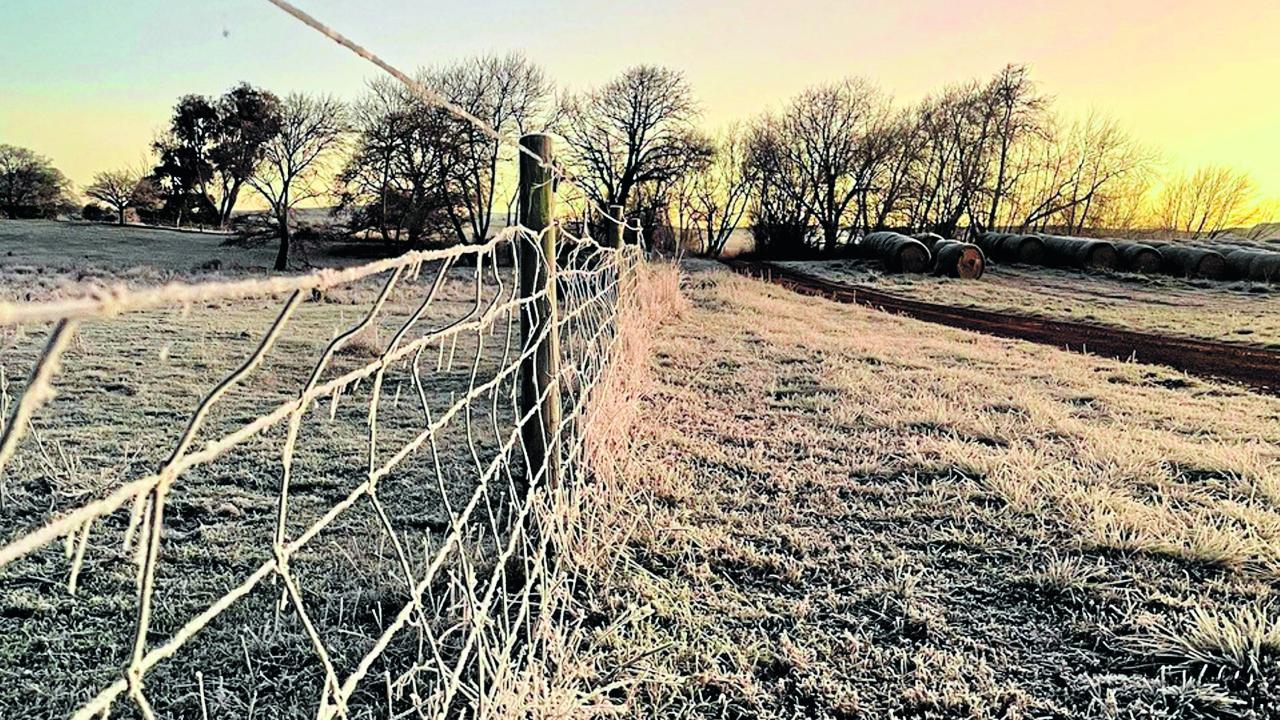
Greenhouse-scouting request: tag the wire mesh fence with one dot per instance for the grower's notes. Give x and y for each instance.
(342, 522)
(322, 495)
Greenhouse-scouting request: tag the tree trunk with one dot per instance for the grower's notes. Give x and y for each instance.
(228, 206)
(282, 257)
(120, 215)
(830, 234)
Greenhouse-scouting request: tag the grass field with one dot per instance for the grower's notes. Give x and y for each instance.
(125, 392)
(1234, 312)
(812, 509)
(126, 389)
(854, 515)
(50, 244)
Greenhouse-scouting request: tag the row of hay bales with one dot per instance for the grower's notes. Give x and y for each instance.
(922, 253)
(1214, 262)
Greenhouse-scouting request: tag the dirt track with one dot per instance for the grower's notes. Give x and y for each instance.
(1256, 367)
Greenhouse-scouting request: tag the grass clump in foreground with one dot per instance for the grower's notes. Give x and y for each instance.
(832, 512)
(1238, 647)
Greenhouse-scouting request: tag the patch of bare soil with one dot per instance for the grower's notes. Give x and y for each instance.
(854, 515)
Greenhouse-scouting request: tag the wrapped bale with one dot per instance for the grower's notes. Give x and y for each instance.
(1265, 267)
(958, 260)
(1238, 261)
(954, 258)
(1195, 262)
(898, 252)
(1139, 258)
(929, 239)
(1025, 249)
(1250, 264)
(989, 242)
(1012, 247)
(1083, 253)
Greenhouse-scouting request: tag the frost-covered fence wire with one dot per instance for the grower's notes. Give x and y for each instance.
(469, 588)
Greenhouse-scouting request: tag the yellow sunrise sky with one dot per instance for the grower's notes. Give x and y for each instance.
(89, 84)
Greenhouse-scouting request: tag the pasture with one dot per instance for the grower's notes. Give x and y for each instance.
(855, 515)
(392, 489)
(1242, 311)
(64, 246)
(795, 508)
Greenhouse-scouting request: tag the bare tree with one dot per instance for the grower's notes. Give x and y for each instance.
(1207, 202)
(119, 189)
(403, 178)
(958, 133)
(896, 182)
(311, 131)
(1082, 167)
(1018, 111)
(780, 221)
(419, 170)
(636, 130)
(511, 94)
(714, 198)
(834, 139)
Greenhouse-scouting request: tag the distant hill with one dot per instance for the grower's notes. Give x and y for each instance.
(1264, 231)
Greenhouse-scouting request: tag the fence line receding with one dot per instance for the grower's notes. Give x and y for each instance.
(340, 525)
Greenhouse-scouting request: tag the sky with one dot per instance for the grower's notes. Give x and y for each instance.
(90, 83)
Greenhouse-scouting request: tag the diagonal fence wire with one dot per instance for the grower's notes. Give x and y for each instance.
(468, 602)
(561, 174)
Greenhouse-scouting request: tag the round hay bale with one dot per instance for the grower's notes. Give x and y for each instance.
(1265, 267)
(958, 260)
(1083, 253)
(1024, 249)
(990, 243)
(1193, 262)
(1239, 262)
(1139, 258)
(1011, 247)
(929, 239)
(898, 252)
(1101, 255)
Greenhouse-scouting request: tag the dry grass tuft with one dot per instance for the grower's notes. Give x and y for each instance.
(1236, 646)
(1069, 576)
(581, 675)
(367, 343)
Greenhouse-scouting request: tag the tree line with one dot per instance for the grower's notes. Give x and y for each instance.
(836, 161)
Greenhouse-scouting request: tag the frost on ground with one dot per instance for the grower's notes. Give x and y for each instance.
(124, 393)
(841, 513)
(1244, 312)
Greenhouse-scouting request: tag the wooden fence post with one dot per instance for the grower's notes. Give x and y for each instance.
(615, 226)
(540, 370)
(632, 225)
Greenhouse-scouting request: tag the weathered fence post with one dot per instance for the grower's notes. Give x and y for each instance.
(540, 369)
(615, 226)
